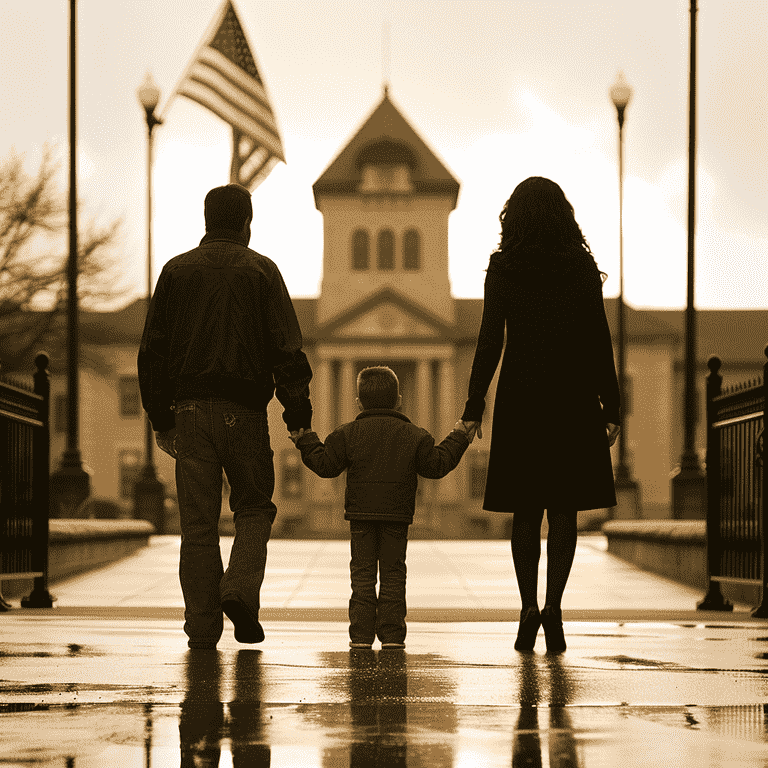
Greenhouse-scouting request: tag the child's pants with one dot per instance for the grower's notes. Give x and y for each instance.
(377, 548)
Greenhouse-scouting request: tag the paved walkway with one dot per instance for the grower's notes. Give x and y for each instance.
(447, 581)
(105, 678)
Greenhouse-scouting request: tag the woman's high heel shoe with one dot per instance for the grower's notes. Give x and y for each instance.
(530, 621)
(552, 622)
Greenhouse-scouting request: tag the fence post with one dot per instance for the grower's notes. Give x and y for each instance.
(761, 612)
(41, 470)
(713, 600)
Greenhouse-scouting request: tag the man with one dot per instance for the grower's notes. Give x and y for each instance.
(221, 338)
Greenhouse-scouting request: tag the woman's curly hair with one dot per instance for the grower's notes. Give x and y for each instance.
(538, 216)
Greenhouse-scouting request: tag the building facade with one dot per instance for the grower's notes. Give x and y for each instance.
(386, 299)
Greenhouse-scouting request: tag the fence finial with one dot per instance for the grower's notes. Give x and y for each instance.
(42, 360)
(715, 362)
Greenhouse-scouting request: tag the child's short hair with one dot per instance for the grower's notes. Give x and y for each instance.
(378, 387)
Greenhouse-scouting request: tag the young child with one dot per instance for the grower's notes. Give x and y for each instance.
(383, 452)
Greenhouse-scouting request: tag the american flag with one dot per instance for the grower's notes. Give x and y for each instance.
(223, 77)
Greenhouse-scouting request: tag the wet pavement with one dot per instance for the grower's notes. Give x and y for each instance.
(105, 679)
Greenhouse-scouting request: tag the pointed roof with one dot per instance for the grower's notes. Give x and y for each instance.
(387, 134)
(387, 295)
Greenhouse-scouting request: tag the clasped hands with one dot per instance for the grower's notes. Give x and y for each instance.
(297, 433)
(166, 441)
(469, 428)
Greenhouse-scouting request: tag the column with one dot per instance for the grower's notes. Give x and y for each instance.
(424, 413)
(424, 405)
(449, 414)
(320, 394)
(348, 405)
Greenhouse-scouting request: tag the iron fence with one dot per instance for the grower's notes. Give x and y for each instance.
(24, 478)
(736, 525)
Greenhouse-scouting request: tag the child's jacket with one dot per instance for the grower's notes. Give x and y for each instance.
(383, 452)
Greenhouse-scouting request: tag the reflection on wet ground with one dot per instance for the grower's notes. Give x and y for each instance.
(88, 694)
(395, 716)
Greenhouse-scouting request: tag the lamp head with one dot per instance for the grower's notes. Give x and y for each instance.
(148, 94)
(621, 92)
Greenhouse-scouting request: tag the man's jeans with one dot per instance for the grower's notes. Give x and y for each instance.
(377, 547)
(213, 434)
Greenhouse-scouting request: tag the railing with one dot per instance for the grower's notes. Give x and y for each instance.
(736, 476)
(24, 478)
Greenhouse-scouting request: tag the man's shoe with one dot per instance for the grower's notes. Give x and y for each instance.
(247, 629)
(361, 646)
(392, 646)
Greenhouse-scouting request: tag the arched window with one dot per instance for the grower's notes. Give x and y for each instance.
(411, 250)
(360, 249)
(386, 249)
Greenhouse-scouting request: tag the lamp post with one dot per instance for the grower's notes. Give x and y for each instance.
(688, 480)
(627, 490)
(149, 492)
(70, 485)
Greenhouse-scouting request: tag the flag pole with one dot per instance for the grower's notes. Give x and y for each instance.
(209, 32)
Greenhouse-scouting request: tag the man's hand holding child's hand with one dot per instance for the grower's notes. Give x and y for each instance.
(296, 434)
(469, 428)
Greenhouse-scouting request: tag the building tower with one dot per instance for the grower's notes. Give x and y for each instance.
(385, 201)
(385, 295)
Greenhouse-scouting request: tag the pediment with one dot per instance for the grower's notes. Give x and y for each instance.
(386, 314)
(386, 319)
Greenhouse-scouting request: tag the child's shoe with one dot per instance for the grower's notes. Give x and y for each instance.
(392, 646)
(361, 646)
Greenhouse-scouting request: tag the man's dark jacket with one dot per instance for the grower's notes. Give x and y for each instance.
(221, 324)
(383, 452)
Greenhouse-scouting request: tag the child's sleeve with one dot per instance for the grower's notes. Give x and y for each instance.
(436, 461)
(328, 460)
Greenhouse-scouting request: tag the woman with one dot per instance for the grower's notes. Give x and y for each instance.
(556, 412)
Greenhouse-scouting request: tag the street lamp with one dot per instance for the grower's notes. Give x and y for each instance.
(689, 482)
(149, 492)
(627, 490)
(70, 485)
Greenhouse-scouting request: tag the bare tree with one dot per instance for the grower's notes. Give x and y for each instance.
(33, 261)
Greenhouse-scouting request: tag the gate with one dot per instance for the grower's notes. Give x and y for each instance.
(24, 478)
(736, 476)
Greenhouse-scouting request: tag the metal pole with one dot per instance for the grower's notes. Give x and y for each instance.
(761, 611)
(40, 597)
(713, 600)
(70, 485)
(690, 310)
(72, 329)
(149, 491)
(627, 490)
(149, 435)
(688, 483)
(622, 471)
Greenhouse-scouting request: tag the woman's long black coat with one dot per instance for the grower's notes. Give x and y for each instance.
(557, 388)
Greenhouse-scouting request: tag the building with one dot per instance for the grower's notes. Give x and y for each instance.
(386, 299)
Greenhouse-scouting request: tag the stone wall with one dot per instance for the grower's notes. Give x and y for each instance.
(676, 549)
(76, 546)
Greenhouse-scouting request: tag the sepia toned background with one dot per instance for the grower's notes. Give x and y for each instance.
(500, 90)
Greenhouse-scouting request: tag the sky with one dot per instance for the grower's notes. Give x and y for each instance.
(499, 90)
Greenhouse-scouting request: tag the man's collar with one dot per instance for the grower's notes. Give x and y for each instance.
(382, 412)
(232, 235)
